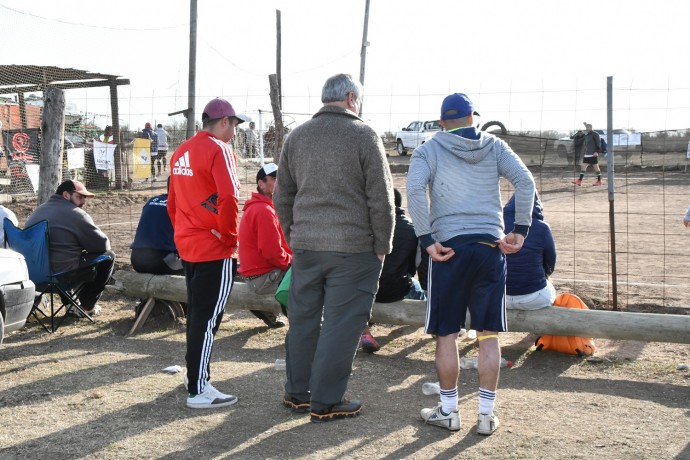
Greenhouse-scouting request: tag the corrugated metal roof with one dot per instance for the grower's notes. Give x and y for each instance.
(45, 75)
(31, 78)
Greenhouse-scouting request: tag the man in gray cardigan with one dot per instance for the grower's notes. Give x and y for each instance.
(75, 239)
(334, 199)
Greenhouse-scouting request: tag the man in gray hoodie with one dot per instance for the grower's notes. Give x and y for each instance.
(462, 230)
(334, 200)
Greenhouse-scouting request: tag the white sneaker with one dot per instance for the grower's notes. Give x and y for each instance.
(434, 416)
(95, 311)
(487, 424)
(210, 398)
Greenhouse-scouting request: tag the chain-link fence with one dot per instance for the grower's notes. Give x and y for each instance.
(642, 210)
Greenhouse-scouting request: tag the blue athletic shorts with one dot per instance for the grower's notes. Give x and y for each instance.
(473, 279)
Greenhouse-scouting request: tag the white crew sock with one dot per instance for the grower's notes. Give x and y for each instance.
(487, 401)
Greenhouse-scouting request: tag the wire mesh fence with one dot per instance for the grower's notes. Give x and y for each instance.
(642, 209)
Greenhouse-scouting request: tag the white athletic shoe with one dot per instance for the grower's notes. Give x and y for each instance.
(434, 416)
(487, 424)
(210, 398)
(95, 311)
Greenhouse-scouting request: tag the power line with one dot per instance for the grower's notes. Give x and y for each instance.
(94, 26)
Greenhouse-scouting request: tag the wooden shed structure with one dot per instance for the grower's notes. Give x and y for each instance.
(22, 79)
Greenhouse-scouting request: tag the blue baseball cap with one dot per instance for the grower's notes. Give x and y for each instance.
(457, 105)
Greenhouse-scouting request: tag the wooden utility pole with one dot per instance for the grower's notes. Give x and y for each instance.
(52, 133)
(115, 115)
(279, 59)
(365, 44)
(277, 117)
(276, 93)
(191, 91)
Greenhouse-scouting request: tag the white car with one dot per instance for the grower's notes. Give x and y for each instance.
(17, 292)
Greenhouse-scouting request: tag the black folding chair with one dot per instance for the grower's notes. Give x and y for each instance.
(34, 244)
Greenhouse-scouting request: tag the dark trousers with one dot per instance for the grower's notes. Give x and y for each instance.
(331, 295)
(208, 288)
(146, 260)
(93, 289)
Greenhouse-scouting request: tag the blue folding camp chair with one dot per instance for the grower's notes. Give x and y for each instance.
(34, 244)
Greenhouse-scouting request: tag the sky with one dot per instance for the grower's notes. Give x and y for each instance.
(531, 64)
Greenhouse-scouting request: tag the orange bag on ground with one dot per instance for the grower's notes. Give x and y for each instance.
(580, 346)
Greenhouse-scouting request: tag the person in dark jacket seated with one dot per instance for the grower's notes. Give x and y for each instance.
(153, 249)
(527, 284)
(397, 279)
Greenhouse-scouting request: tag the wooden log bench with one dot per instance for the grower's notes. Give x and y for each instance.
(647, 327)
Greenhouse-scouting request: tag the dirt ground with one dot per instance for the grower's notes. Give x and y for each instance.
(90, 391)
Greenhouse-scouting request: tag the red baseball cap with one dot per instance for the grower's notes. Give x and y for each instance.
(219, 108)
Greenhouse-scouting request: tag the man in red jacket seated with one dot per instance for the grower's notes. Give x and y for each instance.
(264, 253)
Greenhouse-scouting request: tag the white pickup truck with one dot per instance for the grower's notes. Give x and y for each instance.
(418, 132)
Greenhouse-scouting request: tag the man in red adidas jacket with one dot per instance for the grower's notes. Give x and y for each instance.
(203, 204)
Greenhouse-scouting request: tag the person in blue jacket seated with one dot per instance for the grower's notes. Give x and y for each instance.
(527, 284)
(153, 249)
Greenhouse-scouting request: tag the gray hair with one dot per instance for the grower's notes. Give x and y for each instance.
(338, 86)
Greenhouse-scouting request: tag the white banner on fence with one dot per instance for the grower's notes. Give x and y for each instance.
(104, 155)
(75, 158)
(627, 139)
(688, 154)
(33, 173)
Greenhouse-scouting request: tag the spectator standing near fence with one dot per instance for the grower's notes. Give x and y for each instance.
(578, 141)
(203, 204)
(591, 145)
(686, 219)
(264, 254)
(251, 140)
(162, 137)
(148, 133)
(334, 199)
(107, 136)
(461, 227)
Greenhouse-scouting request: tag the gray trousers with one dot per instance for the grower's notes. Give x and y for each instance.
(331, 296)
(268, 282)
